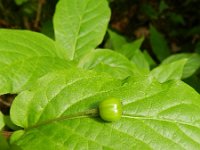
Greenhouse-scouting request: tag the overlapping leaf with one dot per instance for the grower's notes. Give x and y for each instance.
(105, 60)
(191, 66)
(25, 56)
(159, 44)
(169, 71)
(115, 41)
(155, 116)
(80, 25)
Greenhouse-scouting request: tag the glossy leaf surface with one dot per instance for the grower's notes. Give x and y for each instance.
(155, 115)
(80, 25)
(105, 60)
(25, 56)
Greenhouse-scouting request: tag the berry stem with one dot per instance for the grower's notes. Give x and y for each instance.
(89, 113)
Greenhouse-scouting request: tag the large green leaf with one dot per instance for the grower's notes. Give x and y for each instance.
(105, 60)
(25, 56)
(80, 25)
(155, 116)
(171, 71)
(1, 121)
(191, 66)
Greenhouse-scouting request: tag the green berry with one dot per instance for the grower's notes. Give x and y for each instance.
(110, 109)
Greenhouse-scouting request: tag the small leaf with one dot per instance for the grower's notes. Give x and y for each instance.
(176, 18)
(15, 136)
(116, 40)
(194, 82)
(149, 59)
(191, 66)
(155, 116)
(140, 60)
(47, 28)
(1, 121)
(65, 78)
(9, 123)
(25, 56)
(80, 25)
(163, 6)
(149, 11)
(158, 44)
(3, 143)
(104, 60)
(132, 51)
(20, 2)
(129, 49)
(171, 71)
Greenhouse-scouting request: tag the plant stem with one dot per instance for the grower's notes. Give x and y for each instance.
(6, 134)
(4, 102)
(89, 113)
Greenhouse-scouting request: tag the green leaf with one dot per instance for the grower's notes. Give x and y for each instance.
(194, 82)
(191, 66)
(25, 56)
(176, 18)
(163, 6)
(15, 136)
(20, 2)
(9, 123)
(104, 60)
(80, 25)
(197, 47)
(129, 49)
(4, 145)
(149, 59)
(1, 121)
(47, 28)
(66, 79)
(150, 11)
(140, 60)
(170, 71)
(158, 44)
(116, 40)
(155, 116)
(132, 51)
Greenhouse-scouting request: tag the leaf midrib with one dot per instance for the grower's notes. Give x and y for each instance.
(78, 31)
(138, 117)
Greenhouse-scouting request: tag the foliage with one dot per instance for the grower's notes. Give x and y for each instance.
(60, 83)
(159, 44)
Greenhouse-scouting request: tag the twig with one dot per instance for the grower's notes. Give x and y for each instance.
(4, 102)
(26, 23)
(38, 15)
(6, 134)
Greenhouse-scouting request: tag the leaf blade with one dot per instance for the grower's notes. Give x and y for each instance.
(24, 59)
(170, 71)
(158, 44)
(105, 60)
(80, 25)
(150, 111)
(191, 66)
